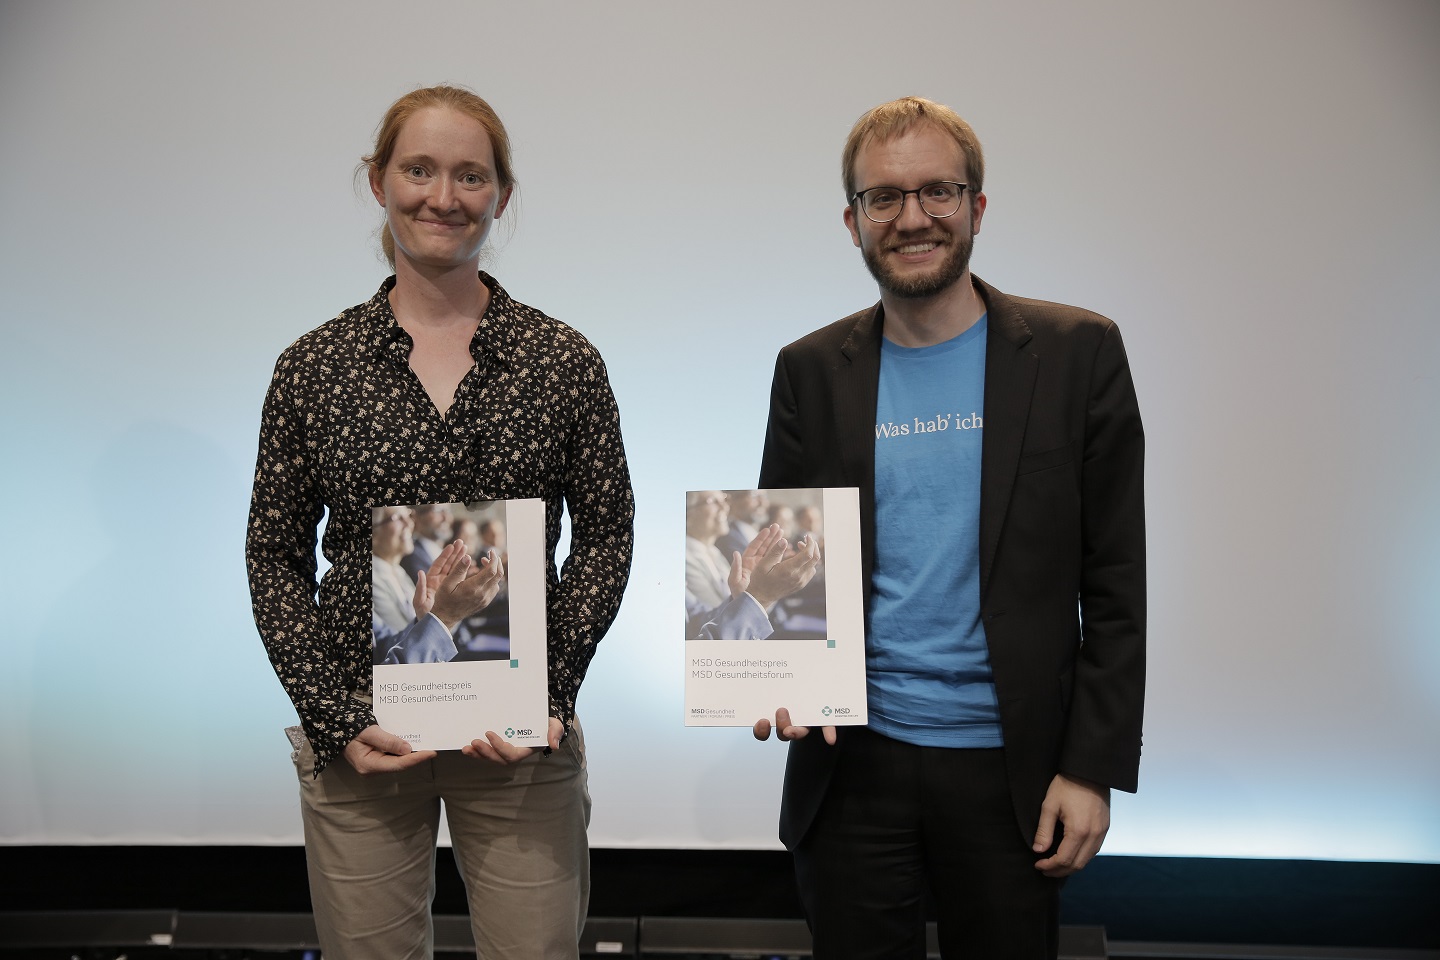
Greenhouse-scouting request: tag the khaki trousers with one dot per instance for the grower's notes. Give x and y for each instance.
(519, 839)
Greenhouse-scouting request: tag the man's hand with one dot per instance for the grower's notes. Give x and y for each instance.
(785, 730)
(468, 590)
(497, 749)
(777, 576)
(742, 565)
(375, 751)
(427, 582)
(1084, 809)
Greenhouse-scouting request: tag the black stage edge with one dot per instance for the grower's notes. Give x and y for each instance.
(1161, 899)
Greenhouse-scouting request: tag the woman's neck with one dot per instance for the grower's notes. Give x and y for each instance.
(426, 299)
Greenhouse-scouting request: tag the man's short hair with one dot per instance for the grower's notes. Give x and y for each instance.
(893, 119)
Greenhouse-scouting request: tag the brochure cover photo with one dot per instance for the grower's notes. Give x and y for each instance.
(774, 614)
(458, 621)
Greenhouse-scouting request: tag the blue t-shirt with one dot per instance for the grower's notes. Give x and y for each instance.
(927, 664)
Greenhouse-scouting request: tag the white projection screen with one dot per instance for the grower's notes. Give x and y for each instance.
(1251, 190)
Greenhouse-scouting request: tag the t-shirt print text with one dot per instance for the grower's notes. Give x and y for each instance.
(937, 424)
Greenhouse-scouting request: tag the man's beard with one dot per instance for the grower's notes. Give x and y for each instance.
(919, 286)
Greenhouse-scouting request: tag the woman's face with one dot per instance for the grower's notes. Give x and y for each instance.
(439, 190)
(392, 533)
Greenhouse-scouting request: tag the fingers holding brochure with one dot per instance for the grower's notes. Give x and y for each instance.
(497, 749)
(376, 751)
(785, 730)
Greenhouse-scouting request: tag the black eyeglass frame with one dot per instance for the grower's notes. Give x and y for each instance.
(859, 196)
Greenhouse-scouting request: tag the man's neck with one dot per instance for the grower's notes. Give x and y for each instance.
(927, 321)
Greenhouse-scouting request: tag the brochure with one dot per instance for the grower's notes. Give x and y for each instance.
(774, 613)
(458, 630)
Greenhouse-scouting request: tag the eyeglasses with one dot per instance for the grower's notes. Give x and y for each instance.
(398, 516)
(939, 200)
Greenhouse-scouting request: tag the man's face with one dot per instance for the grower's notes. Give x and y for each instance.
(749, 505)
(467, 531)
(808, 520)
(432, 521)
(915, 255)
(493, 536)
(786, 518)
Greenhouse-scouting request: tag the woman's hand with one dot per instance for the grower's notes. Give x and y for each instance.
(497, 749)
(375, 751)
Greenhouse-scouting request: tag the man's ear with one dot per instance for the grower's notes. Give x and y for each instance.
(850, 224)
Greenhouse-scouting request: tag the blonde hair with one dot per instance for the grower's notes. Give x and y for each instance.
(893, 119)
(456, 98)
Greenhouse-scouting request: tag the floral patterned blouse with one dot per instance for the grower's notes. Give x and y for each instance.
(347, 426)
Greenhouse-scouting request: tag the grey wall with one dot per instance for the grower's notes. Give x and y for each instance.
(1249, 189)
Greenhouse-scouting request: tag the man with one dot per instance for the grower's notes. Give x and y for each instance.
(492, 536)
(998, 450)
(432, 533)
(748, 511)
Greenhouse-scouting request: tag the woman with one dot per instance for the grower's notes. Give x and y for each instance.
(439, 389)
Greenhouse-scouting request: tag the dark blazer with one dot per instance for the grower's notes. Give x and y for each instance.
(1062, 532)
(416, 560)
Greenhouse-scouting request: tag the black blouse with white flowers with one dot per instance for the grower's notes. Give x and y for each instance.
(347, 426)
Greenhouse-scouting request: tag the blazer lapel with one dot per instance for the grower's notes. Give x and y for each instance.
(856, 391)
(1010, 372)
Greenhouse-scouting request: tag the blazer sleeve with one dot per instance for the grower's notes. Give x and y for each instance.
(780, 463)
(1102, 735)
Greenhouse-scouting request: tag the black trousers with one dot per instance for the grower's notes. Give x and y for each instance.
(899, 820)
